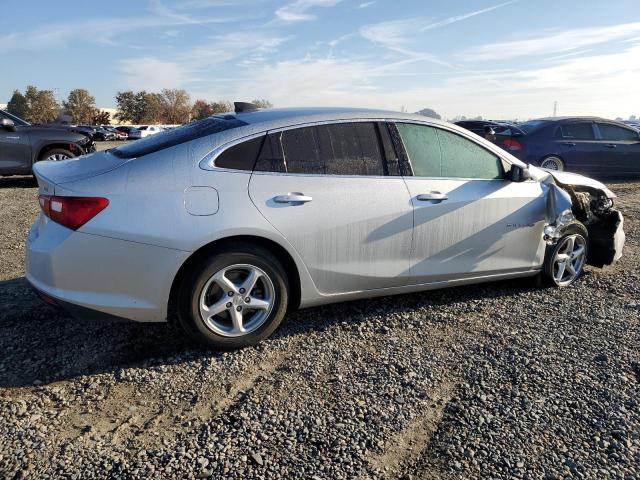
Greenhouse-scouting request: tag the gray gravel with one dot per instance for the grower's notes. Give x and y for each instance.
(500, 380)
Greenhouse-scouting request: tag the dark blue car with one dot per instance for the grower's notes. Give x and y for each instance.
(592, 146)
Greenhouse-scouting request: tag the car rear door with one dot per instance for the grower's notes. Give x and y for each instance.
(469, 220)
(15, 151)
(580, 150)
(621, 149)
(328, 190)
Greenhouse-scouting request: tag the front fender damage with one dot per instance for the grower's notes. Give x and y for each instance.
(591, 203)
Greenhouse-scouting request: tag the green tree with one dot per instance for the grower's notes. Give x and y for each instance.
(152, 107)
(222, 106)
(176, 106)
(262, 103)
(128, 107)
(81, 106)
(41, 105)
(18, 104)
(101, 118)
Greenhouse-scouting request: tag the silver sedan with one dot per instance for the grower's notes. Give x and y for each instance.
(227, 222)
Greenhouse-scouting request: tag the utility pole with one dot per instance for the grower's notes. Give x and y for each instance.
(555, 108)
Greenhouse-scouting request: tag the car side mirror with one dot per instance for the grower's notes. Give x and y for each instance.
(519, 174)
(8, 125)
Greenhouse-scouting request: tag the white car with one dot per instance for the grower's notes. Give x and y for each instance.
(145, 131)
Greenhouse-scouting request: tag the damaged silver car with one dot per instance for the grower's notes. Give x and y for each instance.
(227, 222)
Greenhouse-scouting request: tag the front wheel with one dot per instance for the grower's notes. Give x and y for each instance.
(236, 298)
(56, 154)
(564, 261)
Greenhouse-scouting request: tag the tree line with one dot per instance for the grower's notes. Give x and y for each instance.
(170, 106)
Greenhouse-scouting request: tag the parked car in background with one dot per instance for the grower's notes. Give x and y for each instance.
(479, 126)
(144, 131)
(632, 124)
(249, 214)
(100, 134)
(119, 135)
(23, 144)
(590, 145)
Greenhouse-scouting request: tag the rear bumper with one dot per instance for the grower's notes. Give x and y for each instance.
(115, 278)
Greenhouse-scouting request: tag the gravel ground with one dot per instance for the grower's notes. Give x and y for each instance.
(500, 380)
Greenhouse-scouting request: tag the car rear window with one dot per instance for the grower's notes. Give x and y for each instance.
(531, 125)
(176, 136)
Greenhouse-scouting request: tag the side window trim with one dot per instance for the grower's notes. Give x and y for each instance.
(403, 158)
(399, 145)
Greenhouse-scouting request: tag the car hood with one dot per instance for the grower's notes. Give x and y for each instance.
(574, 179)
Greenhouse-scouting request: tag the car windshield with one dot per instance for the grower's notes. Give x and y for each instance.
(531, 125)
(176, 136)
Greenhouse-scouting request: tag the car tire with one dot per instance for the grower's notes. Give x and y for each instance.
(56, 154)
(565, 260)
(211, 283)
(552, 163)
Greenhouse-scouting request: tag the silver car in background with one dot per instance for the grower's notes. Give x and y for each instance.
(227, 222)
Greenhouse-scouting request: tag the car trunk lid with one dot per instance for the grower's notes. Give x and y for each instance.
(52, 173)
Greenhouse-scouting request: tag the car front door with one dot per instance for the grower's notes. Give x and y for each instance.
(15, 151)
(580, 150)
(620, 150)
(327, 189)
(469, 220)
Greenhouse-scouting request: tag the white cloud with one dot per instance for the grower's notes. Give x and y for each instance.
(104, 30)
(464, 16)
(297, 11)
(552, 43)
(366, 4)
(152, 74)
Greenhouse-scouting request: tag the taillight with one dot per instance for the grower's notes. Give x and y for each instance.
(512, 144)
(72, 212)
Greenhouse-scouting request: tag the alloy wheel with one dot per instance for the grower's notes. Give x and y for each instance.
(552, 163)
(569, 259)
(56, 157)
(237, 300)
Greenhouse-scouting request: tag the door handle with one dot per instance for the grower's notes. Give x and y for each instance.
(611, 145)
(569, 144)
(294, 197)
(432, 197)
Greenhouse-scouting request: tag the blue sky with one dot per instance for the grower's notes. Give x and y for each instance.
(496, 58)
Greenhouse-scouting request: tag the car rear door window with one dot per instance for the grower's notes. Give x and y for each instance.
(578, 131)
(615, 133)
(333, 149)
(435, 152)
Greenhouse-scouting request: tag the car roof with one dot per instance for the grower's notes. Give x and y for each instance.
(271, 118)
(573, 119)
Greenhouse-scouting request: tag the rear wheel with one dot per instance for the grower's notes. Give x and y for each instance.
(553, 163)
(56, 154)
(236, 298)
(565, 261)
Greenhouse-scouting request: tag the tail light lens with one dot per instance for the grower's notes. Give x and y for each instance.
(512, 144)
(72, 212)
